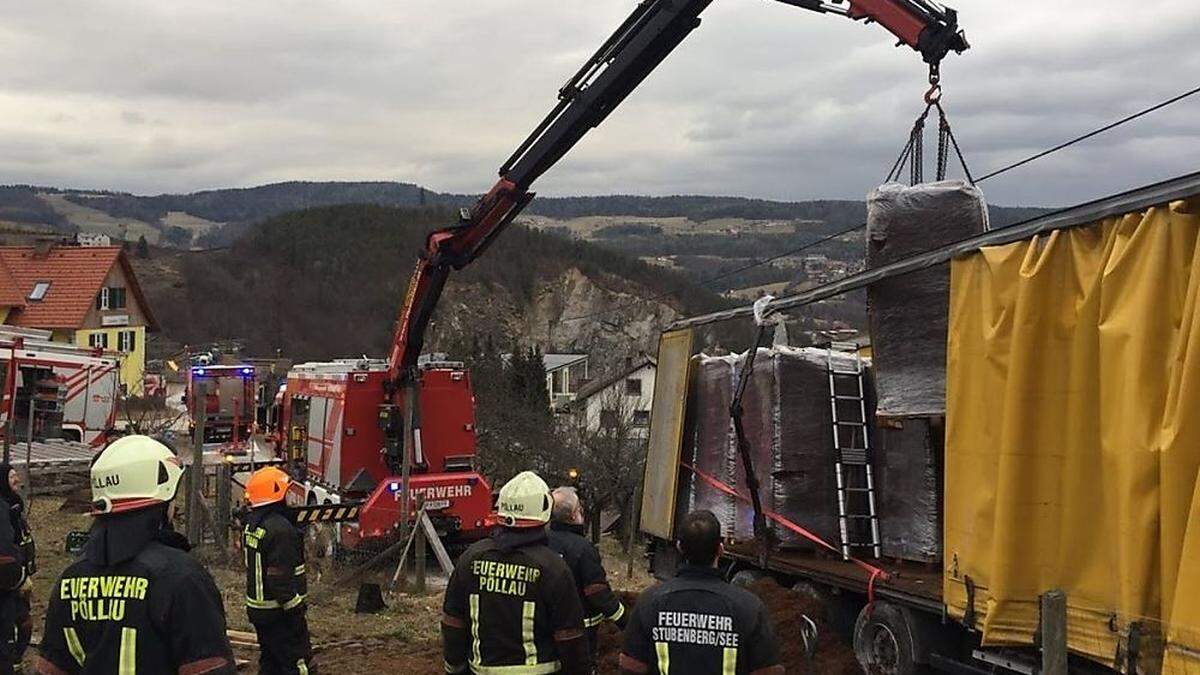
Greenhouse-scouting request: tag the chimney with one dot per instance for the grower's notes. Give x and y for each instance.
(42, 248)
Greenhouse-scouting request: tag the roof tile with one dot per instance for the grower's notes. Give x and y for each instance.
(75, 273)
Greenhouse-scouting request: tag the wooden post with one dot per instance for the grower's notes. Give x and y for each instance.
(419, 550)
(224, 505)
(29, 447)
(195, 525)
(1054, 633)
(635, 511)
(411, 391)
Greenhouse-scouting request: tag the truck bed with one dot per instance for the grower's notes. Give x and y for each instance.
(910, 583)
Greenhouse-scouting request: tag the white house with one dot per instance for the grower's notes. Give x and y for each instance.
(623, 398)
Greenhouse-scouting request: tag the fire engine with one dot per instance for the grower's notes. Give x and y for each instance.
(230, 395)
(335, 433)
(77, 387)
(358, 429)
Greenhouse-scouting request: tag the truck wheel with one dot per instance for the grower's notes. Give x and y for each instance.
(745, 578)
(884, 641)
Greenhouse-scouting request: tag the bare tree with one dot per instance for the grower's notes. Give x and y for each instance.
(605, 444)
(147, 415)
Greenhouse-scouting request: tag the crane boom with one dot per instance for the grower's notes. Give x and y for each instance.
(635, 49)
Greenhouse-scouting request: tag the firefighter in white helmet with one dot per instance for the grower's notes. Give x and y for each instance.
(511, 604)
(137, 603)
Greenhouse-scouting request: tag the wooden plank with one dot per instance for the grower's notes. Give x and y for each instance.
(439, 551)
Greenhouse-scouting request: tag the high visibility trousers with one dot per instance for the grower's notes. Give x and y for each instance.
(284, 647)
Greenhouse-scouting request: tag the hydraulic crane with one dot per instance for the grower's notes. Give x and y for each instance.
(639, 45)
(345, 465)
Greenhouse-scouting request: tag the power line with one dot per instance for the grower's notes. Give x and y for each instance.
(1032, 158)
(1090, 134)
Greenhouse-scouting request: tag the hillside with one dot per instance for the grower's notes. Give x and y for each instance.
(327, 282)
(218, 217)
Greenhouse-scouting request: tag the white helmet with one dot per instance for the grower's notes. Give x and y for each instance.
(133, 472)
(524, 501)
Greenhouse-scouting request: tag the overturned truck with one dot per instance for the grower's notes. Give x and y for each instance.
(1023, 438)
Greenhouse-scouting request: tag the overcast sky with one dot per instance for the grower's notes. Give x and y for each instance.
(762, 100)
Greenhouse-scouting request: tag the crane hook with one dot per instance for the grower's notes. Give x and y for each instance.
(935, 88)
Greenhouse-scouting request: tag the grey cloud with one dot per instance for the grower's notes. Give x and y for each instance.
(763, 100)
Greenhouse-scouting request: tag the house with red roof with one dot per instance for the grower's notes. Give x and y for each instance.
(85, 295)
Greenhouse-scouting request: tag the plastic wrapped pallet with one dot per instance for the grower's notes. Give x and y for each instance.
(907, 314)
(787, 420)
(908, 471)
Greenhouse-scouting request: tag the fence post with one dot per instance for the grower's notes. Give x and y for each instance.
(1054, 633)
(195, 523)
(224, 505)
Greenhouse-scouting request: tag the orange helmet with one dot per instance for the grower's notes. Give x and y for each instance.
(267, 486)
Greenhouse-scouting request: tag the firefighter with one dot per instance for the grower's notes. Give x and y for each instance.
(511, 605)
(136, 603)
(276, 583)
(568, 540)
(697, 623)
(16, 543)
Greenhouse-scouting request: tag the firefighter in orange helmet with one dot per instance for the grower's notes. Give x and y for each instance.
(275, 580)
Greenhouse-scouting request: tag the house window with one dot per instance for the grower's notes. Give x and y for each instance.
(40, 289)
(126, 341)
(608, 419)
(98, 340)
(110, 297)
(633, 387)
(641, 418)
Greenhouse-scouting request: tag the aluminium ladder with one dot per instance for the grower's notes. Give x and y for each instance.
(852, 450)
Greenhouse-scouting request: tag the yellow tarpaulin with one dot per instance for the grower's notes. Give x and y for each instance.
(1073, 434)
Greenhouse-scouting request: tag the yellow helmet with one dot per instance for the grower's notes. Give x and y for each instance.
(133, 472)
(524, 501)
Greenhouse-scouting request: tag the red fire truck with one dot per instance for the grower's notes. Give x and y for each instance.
(335, 431)
(229, 397)
(357, 429)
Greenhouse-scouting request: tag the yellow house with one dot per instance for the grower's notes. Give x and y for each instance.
(85, 295)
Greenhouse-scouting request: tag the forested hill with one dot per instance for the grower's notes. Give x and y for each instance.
(329, 281)
(218, 217)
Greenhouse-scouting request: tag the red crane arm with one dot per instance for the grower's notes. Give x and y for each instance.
(646, 37)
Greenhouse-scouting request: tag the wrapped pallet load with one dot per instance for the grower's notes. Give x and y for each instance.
(907, 314)
(787, 421)
(908, 319)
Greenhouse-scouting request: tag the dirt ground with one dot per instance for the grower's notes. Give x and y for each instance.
(405, 636)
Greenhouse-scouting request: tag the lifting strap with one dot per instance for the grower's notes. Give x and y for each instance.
(913, 153)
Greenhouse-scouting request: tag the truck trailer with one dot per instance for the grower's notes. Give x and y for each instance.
(1063, 469)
